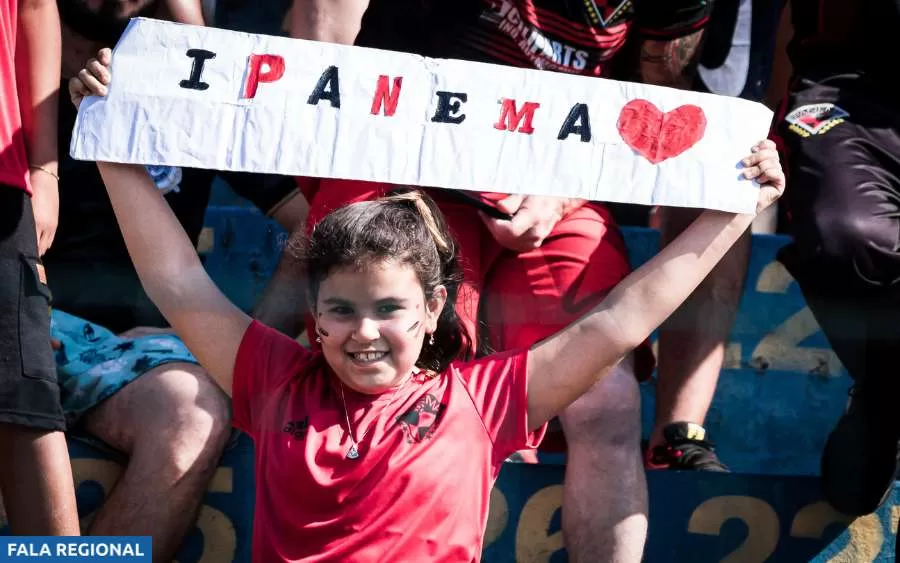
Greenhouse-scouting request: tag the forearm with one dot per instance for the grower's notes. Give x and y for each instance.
(671, 63)
(38, 78)
(283, 304)
(640, 303)
(646, 298)
(162, 253)
(186, 11)
(331, 21)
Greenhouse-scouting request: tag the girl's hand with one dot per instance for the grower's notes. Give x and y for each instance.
(764, 167)
(93, 79)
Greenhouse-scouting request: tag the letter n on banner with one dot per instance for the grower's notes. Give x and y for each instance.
(386, 96)
(510, 117)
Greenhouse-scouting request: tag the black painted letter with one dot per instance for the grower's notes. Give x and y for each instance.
(329, 79)
(200, 56)
(449, 105)
(579, 112)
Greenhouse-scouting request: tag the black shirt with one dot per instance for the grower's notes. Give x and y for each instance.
(834, 37)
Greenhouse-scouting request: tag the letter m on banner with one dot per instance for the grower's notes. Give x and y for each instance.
(510, 116)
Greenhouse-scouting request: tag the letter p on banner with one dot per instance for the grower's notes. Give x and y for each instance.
(115, 549)
(255, 74)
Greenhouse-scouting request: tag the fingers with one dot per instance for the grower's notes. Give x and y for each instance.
(104, 55)
(77, 90)
(99, 70)
(93, 85)
(761, 155)
(511, 204)
(772, 176)
(760, 163)
(764, 145)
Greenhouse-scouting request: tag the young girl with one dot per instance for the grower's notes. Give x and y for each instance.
(382, 447)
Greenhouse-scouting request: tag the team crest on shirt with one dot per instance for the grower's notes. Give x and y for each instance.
(815, 119)
(297, 428)
(606, 12)
(420, 421)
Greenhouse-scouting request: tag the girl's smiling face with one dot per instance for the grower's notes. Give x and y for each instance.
(373, 321)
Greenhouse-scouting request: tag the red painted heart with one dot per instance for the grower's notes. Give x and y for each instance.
(659, 136)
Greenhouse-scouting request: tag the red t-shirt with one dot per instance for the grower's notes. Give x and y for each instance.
(13, 160)
(429, 455)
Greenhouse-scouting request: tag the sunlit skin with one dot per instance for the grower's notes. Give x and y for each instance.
(372, 323)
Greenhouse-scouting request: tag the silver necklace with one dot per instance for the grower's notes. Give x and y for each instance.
(353, 452)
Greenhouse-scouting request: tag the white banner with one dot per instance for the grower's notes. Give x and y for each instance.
(210, 98)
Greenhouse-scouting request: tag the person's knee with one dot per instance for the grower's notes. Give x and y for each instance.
(608, 414)
(190, 424)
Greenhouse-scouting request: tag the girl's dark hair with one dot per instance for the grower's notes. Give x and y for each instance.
(407, 227)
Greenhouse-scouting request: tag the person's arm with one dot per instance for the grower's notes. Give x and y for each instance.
(781, 63)
(533, 219)
(185, 11)
(283, 303)
(170, 271)
(641, 302)
(37, 77)
(330, 21)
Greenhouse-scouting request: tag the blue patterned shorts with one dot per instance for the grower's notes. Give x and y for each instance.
(94, 363)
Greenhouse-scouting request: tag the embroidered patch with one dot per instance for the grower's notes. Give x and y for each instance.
(420, 421)
(815, 119)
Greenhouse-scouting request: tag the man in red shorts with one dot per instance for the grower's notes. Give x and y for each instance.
(35, 476)
(554, 258)
(839, 130)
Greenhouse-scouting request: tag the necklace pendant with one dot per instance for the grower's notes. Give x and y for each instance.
(353, 453)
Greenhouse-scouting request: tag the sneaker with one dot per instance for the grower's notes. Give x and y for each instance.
(859, 463)
(685, 448)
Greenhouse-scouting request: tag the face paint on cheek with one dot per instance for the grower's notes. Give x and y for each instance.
(413, 327)
(321, 331)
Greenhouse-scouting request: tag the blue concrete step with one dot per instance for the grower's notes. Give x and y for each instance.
(696, 518)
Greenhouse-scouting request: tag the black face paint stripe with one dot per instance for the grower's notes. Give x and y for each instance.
(413, 327)
(321, 331)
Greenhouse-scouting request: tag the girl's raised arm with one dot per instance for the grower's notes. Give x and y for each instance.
(170, 270)
(564, 366)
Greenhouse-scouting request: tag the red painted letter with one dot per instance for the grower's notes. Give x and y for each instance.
(386, 96)
(275, 70)
(510, 117)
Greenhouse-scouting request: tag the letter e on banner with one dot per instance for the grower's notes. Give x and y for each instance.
(255, 74)
(510, 117)
(386, 96)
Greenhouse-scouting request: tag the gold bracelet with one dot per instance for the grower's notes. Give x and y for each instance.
(42, 169)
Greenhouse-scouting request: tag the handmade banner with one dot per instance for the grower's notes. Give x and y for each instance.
(210, 98)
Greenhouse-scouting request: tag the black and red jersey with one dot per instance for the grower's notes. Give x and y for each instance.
(844, 36)
(574, 36)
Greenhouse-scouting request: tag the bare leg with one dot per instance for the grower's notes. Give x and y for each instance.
(174, 423)
(692, 343)
(605, 495)
(37, 484)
